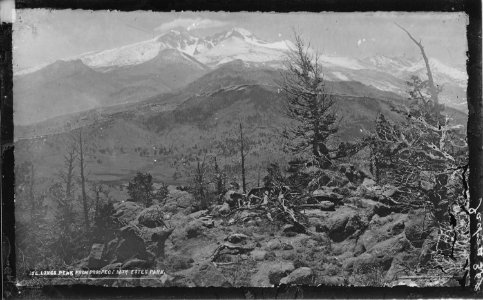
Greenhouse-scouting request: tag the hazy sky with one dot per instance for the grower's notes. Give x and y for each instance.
(43, 36)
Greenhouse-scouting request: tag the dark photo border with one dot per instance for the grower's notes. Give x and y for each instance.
(474, 135)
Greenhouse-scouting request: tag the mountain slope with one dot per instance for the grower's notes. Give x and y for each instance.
(71, 86)
(166, 134)
(133, 73)
(61, 88)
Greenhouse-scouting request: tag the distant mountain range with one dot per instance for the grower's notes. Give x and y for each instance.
(165, 134)
(176, 60)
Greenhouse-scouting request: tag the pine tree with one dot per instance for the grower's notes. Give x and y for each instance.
(308, 103)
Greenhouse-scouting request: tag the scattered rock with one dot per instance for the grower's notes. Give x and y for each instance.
(325, 177)
(232, 198)
(286, 246)
(207, 221)
(302, 275)
(327, 195)
(271, 256)
(236, 238)
(353, 174)
(222, 209)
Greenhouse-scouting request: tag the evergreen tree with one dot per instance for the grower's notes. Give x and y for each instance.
(308, 104)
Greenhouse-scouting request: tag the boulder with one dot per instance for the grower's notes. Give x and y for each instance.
(302, 275)
(292, 229)
(152, 217)
(286, 246)
(418, 227)
(273, 245)
(198, 214)
(127, 211)
(114, 266)
(371, 207)
(196, 228)
(207, 221)
(224, 208)
(259, 255)
(428, 246)
(333, 281)
(159, 237)
(179, 201)
(130, 245)
(279, 270)
(382, 228)
(207, 275)
(95, 259)
(390, 191)
(176, 263)
(136, 263)
(404, 263)
(380, 255)
(344, 222)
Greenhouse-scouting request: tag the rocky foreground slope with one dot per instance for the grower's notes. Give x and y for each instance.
(354, 233)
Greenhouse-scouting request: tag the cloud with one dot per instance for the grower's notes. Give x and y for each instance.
(190, 24)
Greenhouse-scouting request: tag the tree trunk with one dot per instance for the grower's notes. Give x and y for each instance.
(219, 178)
(475, 146)
(97, 202)
(31, 192)
(70, 173)
(244, 185)
(83, 181)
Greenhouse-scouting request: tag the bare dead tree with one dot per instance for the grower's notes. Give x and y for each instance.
(242, 153)
(82, 166)
(68, 175)
(432, 88)
(219, 176)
